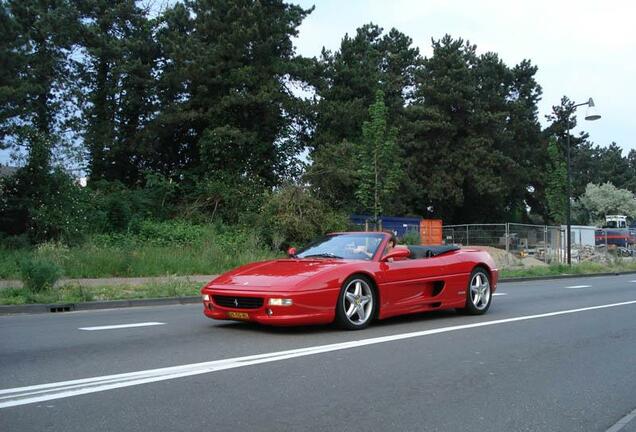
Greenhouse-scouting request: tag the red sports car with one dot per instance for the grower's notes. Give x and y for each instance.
(353, 278)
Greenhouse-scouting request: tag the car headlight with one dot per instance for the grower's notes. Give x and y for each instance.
(206, 297)
(280, 302)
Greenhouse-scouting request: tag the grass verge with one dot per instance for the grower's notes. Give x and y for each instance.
(73, 293)
(563, 269)
(92, 261)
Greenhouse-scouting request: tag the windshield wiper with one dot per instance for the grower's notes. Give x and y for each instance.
(323, 255)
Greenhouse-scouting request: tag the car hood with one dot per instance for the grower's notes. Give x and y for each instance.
(282, 274)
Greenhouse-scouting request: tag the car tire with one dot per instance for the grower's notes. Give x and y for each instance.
(478, 292)
(357, 303)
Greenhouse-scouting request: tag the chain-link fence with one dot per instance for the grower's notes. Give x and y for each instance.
(521, 244)
(595, 244)
(542, 242)
(493, 235)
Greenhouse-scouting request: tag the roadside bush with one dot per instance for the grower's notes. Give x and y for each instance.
(225, 198)
(411, 238)
(169, 232)
(293, 215)
(110, 240)
(56, 253)
(235, 238)
(44, 206)
(39, 275)
(118, 213)
(16, 242)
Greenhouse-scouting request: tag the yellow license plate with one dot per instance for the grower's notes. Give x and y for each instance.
(238, 315)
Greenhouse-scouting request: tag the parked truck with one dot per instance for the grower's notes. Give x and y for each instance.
(616, 233)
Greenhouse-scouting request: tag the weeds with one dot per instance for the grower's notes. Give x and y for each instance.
(39, 275)
(201, 250)
(72, 293)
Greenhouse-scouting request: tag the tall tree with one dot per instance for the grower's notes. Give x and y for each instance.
(38, 83)
(434, 139)
(562, 120)
(379, 165)
(225, 104)
(472, 135)
(348, 80)
(10, 64)
(613, 167)
(118, 81)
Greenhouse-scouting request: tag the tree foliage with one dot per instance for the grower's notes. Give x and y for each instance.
(37, 85)
(556, 184)
(347, 83)
(203, 110)
(601, 200)
(293, 214)
(473, 136)
(224, 100)
(378, 163)
(117, 76)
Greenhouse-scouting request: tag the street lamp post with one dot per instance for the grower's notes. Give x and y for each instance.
(590, 115)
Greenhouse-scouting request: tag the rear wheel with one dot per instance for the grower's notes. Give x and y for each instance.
(478, 295)
(356, 303)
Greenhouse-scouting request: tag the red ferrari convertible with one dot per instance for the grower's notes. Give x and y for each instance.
(353, 278)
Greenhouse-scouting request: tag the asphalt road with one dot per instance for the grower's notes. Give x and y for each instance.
(554, 355)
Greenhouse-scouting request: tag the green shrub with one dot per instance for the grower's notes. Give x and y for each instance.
(169, 232)
(411, 237)
(44, 205)
(293, 215)
(118, 213)
(121, 240)
(53, 252)
(16, 242)
(39, 275)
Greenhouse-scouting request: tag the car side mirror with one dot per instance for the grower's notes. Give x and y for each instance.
(396, 253)
(291, 252)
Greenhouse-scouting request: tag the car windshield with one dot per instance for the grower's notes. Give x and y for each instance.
(355, 246)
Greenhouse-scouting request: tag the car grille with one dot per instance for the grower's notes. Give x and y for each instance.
(238, 302)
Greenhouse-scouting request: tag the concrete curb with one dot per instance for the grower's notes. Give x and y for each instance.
(94, 305)
(115, 304)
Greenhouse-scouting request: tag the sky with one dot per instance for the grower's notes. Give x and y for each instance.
(582, 48)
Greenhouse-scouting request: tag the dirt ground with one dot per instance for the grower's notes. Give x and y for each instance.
(507, 260)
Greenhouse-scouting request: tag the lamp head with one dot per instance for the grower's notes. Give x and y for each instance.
(590, 113)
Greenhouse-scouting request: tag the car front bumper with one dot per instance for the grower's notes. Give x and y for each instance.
(308, 307)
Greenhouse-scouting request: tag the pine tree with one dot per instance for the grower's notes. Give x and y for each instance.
(225, 105)
(39, 82)
(472, 136)
(118, 82)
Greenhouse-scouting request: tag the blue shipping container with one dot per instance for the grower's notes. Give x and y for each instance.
(399, 225)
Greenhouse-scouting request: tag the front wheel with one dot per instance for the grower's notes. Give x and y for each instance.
(479, 295)
(356, 303)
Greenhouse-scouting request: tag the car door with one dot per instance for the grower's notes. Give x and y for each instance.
(409, 284)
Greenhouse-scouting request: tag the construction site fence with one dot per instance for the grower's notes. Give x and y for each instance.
(543, 242)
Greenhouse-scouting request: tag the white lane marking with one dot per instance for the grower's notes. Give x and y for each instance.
(633, 281)
(619, 425)
(578, 286)
(499, 294)
(121, 326)
(45, 392)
